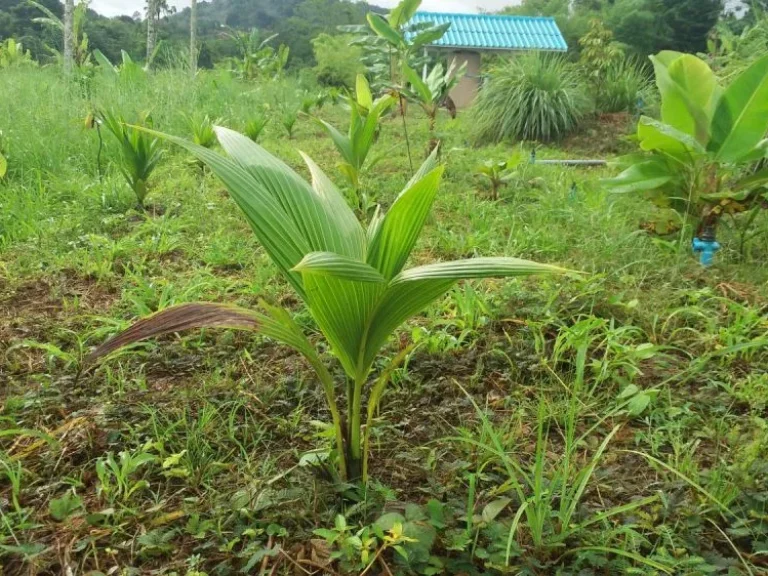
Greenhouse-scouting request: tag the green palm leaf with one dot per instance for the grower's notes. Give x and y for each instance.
(338, 266)
(312, 214)
(412, 290)
(396, 236)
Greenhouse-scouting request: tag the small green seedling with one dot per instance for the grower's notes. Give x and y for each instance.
(140, 151)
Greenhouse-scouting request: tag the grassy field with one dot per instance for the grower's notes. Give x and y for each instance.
(613, 422)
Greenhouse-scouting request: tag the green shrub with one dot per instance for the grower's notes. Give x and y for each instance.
(626, 86)
(338, 63)
(530, 97)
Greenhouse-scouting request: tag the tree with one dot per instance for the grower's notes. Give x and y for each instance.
(193, 37)
(338, 63)
(691, 22)
(640, 24)
(151, 29)
(69, 37)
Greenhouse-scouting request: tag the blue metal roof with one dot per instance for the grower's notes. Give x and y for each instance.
(486, 32)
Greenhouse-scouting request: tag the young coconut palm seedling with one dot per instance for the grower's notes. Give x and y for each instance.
(140, 152)
(255, 126)
(355, 146)
(353, 281)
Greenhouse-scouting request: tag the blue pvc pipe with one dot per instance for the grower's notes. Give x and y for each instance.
(707, 249)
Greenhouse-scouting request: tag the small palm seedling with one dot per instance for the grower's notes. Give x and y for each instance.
(140, 151)
(432, 92)
(355, 146)
(255, 126)
(321, 98)
(288, 117)
(308, 101)
(202, 131)
(353, 280)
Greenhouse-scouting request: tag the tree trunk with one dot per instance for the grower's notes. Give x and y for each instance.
(151, 30)
(193, 37)
(69, 39)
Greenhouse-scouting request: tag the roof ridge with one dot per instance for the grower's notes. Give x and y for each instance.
(483, 16)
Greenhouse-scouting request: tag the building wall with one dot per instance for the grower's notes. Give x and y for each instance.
(466, 90)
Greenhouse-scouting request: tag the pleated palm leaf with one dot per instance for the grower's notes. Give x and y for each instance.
(353, 280)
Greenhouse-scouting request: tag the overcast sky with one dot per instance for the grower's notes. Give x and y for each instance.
(118, 7)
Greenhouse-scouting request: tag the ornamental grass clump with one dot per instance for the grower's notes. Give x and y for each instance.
(530, 97)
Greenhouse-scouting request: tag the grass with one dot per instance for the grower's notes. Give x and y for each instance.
(196, 455)
(537, 96)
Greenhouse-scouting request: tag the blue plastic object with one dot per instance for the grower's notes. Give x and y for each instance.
(490, 32)
(707, 249)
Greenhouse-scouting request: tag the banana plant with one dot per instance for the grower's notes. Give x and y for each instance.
(703, 157)
(355, 146)
(495, 171)
(12, 54)
(128, 72)
(82, 55)
(257, 58)
(499, 173)
(353, 280)
(140, 151)
(433, 92)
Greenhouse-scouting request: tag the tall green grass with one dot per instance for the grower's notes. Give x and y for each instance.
(626, 87)
(530, 97)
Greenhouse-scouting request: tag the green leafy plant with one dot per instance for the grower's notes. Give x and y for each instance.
(353, 280)
(81, 54)
(392, 42)
(496, 173)
(202, 131)
(66, 506)
(12, 54)
(549, 494)
(432, 92)
(531, 97)
(700, 157)
(599, 52)
(255, 126)
(257, 59)
(308, 101)
(128, 71)
(289, 115)
(400, 40)
(117, 476)
(338, 63)
(355, 146)
(625, 86)
(139, 150)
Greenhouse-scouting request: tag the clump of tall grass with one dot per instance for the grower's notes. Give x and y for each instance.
(626, 87)
(530, 97)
